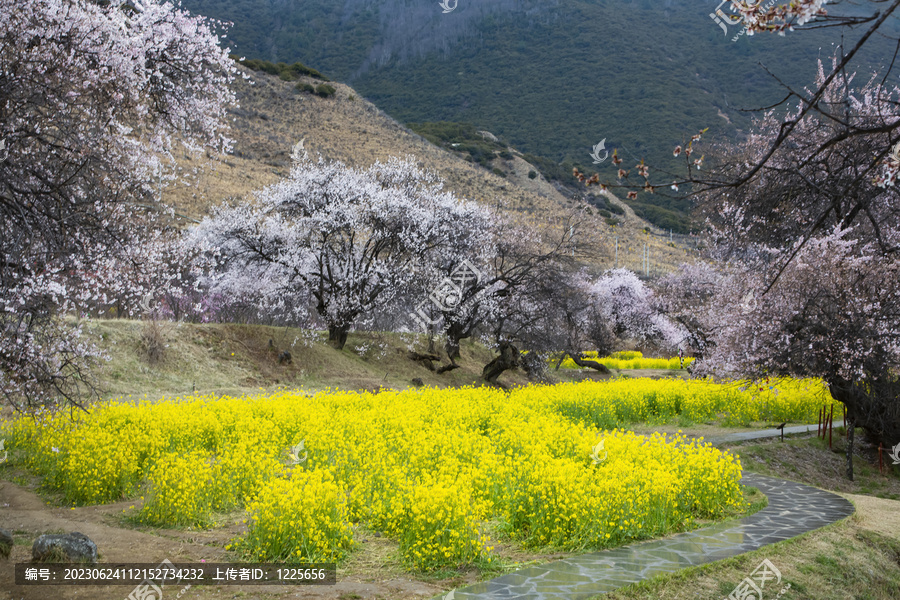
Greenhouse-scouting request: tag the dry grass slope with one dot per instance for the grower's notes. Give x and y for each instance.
(273, 116)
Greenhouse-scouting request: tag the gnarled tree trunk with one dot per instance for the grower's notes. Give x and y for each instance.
(337, 336)
(455, 333)
(584, 362)
(508, 359)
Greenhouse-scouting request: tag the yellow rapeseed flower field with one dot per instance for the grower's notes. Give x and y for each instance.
(629, 360)
(543, 464)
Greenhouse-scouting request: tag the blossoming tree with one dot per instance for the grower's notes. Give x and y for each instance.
(344, 242)
(811, 230)
(95, 96)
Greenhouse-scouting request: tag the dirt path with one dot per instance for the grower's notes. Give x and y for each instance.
(27, 516)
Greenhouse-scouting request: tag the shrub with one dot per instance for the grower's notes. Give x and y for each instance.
(153, 341)
(324, 90)
(180, 491)
(301, 519)
(532, 174)
(283, 70)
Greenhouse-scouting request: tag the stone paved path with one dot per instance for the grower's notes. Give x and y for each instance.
(757, 435)
(793, 509)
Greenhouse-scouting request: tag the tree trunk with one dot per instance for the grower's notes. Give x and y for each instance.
(337, 337)
(508, 359)
(583, 362)
(559, 363)
(426, 360)
(851, 425)
(454, 335)
(452, 348)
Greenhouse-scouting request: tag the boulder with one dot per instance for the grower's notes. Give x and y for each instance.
(69, 547)
(6, 543)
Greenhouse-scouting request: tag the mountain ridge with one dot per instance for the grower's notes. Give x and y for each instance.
(274, 115)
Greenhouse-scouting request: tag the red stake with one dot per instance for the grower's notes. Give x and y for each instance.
(830, 425)
(880, 460)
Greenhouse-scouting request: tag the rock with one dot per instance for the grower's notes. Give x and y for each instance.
(417, 381)
(70, 547)
(6, 543)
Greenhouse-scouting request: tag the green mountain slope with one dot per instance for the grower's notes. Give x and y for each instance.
(552, 78)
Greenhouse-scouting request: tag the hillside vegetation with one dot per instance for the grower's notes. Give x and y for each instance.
(275, 114)
(552, 78)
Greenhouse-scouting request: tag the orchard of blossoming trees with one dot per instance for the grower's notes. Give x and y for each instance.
(802, 279)
(813, 239)
(352, 248)
(806, 214)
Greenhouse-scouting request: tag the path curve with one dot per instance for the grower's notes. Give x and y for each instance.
(793, 509)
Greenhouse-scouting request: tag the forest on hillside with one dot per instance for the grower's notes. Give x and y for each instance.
(551, 78)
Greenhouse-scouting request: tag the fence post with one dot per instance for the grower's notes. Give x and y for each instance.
(830, 425)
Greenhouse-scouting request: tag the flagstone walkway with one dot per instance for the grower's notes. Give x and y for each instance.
(793, 509)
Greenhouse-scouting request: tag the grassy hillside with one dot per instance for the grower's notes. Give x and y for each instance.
(172, 359)
(275, 114)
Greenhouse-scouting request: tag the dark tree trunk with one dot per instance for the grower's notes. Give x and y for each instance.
(508, 359)
(452, 348)
(455, 333)
(851, 424)
(426, 360)
(559, 363)
(337, 337)
(583, 362)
